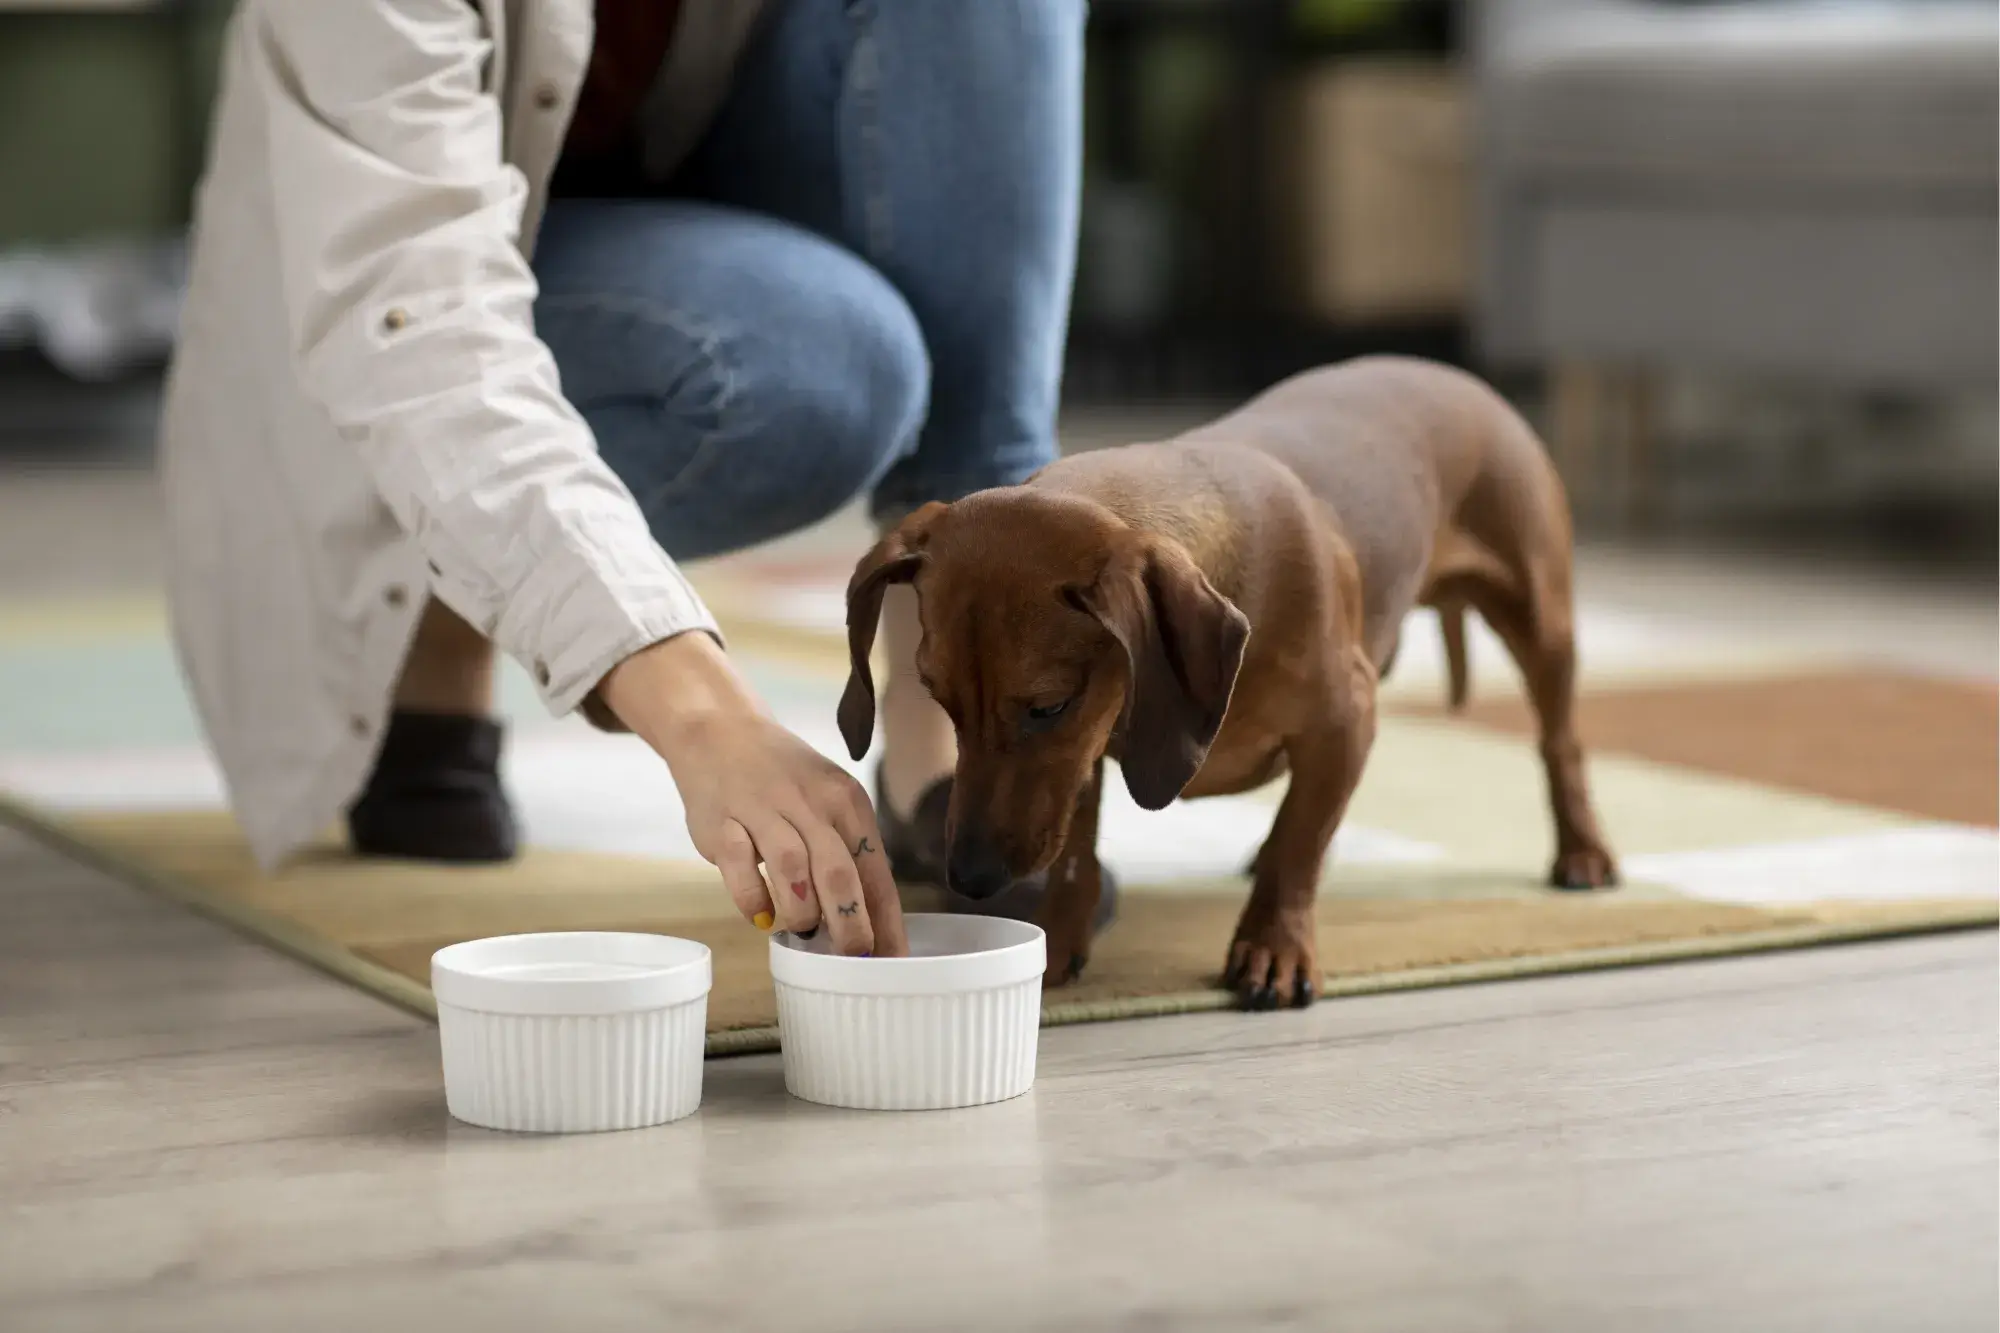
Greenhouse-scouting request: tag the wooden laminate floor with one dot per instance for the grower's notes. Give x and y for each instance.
(197, 1134)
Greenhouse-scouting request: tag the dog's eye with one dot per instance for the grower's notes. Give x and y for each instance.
(1040, 717)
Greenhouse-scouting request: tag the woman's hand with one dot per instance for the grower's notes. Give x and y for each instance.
(755, 793)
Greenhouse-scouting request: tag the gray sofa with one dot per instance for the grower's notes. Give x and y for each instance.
(1804, 189)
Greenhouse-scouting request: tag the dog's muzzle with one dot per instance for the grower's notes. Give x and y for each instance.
(975, 868)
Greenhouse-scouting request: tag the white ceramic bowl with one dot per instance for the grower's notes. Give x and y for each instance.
(953, 1024)
(572, 1032)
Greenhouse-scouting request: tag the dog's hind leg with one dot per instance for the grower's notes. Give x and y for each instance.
(1460, 561)
(1534, 616)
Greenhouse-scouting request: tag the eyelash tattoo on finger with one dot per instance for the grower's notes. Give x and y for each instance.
(849, 909)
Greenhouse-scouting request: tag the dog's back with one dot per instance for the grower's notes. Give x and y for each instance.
(1422, 466)
(1394, 445)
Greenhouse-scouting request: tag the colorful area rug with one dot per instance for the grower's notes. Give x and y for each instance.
(1381, 928)
(1755, 805)
(1926, 747)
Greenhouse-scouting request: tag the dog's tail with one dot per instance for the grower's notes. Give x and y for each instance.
(1451, 619)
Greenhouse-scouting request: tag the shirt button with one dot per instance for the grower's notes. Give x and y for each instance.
(396, 320)
(547, 98)
(358, 725)
(396, 595)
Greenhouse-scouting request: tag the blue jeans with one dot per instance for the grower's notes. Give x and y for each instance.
(859, 283)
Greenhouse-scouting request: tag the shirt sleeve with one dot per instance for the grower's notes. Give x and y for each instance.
(410, 306)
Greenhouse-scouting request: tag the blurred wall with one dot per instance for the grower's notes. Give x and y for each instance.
(102, 116)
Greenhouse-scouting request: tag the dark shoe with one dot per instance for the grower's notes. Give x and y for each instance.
(916, 851)
(435, 793)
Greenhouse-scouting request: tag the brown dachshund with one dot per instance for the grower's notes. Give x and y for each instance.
(1215, 611)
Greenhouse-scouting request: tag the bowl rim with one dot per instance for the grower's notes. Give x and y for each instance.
(662, 971)
(1021, 954)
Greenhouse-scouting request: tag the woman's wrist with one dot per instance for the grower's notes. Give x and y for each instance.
(674, 690)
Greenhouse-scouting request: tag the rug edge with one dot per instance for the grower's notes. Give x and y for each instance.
(337, 961)
(346, 965)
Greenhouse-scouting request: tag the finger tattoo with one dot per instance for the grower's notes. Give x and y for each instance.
(863, 846)
(849, 909)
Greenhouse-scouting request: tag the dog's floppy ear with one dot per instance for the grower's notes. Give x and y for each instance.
(894, 559)
(1184, 642)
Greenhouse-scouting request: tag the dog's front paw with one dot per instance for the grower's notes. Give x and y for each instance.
(1065, 916)
(1063, 968)
(1274, 960)
(1068, 948)
(1582, 868)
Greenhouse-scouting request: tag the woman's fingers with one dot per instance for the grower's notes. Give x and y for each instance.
(843, 905)
(884, 904)
(788, 866)
(858, 873)
(736, 858)
(811, 829)
(880, 900)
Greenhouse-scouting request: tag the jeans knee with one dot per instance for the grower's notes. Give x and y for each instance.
(885, 354)
(853, 395)
(827, 387)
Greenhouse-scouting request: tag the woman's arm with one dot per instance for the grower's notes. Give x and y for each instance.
(411, 311)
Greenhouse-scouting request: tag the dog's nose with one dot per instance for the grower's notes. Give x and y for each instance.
(975, 868)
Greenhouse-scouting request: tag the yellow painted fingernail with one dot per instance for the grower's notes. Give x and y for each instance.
(763, 920)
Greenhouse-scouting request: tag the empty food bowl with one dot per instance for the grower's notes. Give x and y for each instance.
(572, 1032)
(953, 1024)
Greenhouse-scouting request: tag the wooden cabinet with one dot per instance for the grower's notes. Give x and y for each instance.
(1373, 180)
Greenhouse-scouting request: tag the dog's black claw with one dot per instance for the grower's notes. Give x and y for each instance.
(1232, 976)
(1076, 961)
(1264, 998)
(1583, 873)
(1302, 994)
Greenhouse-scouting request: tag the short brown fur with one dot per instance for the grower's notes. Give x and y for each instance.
(1214, 611)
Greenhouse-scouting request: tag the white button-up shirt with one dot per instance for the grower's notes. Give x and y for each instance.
(360, 414)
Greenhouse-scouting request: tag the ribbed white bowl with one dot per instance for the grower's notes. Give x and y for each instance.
(572, 1032)
(954, 1024)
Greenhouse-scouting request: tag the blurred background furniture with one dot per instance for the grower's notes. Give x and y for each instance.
(103, 117)
(1587, 196)
(1799, 189)
(1269, 184)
